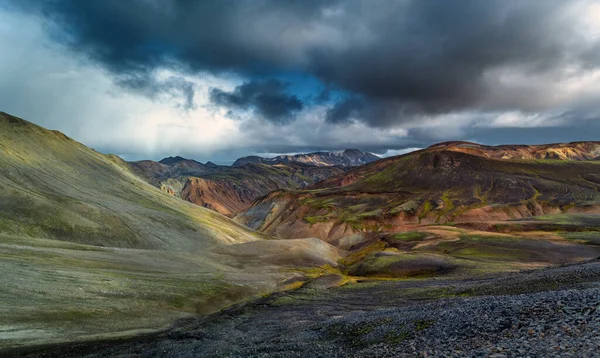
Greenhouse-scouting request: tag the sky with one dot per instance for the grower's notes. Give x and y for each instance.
(217, 80)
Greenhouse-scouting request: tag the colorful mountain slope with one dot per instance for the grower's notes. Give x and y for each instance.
(557, 151)
(441, 184)
(228, 190)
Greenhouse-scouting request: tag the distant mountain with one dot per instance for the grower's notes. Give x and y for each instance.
(174, 160)
(171, 167)
(228, 190)
(445, 183)
(231, 190)
(346, 158)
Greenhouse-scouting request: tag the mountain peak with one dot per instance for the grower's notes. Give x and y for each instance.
(172, 160)
(346, 158)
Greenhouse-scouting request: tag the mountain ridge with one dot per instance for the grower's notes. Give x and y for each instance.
(230, 189)
(348, 158)
(579, 150)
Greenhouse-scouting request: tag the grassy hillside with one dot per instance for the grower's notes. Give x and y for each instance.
(89, 250)
(53, 187)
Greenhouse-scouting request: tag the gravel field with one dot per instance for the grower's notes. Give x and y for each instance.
(552, 312)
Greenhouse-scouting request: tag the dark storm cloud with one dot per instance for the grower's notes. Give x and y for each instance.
(269, 98)
(402, 57)
(174, 86)
(345, 110)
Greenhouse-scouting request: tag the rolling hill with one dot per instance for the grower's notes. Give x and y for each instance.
(447, 183)
(55, 188)
(89, 250)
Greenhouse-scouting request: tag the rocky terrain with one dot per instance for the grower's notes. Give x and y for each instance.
(542, 313)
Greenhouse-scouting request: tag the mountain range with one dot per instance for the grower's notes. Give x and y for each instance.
(346, 158)
(230, 190)
(90, 244)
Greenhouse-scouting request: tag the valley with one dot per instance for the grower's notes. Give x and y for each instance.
(103, 257)
(291, 179)
(90, 250)
(231, 190)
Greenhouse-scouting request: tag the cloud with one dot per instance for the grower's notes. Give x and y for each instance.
(268, 98)
(148, 78)
(173, 86)
(404, 58)
(345, 110)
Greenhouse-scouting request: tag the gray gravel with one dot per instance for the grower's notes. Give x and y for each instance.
(545, 313)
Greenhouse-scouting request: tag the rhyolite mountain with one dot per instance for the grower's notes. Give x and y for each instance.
(233, 189)
(230, 190)
(346, 158)
(446, 183)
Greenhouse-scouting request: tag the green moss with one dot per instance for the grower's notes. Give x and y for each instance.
(360, 255)
(282, 301)
(490, 247)
(448, 206)
(423, 324)
(425, 210)
(408, 236)
(414, 265)
(409, 208)
(315, 219)
(394, 337)
(586, 237)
